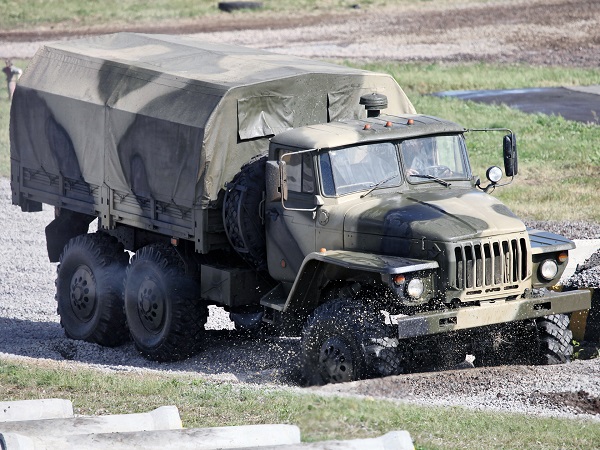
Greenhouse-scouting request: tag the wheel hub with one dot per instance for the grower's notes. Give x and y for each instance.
(335, 361)
(151, 305)
(82, 293)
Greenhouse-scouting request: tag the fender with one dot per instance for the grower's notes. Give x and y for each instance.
(320, 267)
(546, 245)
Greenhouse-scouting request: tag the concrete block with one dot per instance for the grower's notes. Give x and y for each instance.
(163, 418)
(186, 439)
(394, 440)
(52, 408)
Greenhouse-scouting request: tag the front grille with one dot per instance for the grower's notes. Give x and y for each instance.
(488, 266)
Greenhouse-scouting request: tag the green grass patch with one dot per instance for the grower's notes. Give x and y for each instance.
(206, 404)
(426, 78)
(72, 14)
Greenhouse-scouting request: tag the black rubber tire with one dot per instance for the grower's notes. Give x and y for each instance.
(164, 311)
(243, 224)
(236, 6)
(554, 340)
(507, 344)
(343, 341)
(543, 341)
(89, 286)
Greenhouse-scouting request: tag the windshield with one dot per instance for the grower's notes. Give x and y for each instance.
(442, 157)
(359, 168)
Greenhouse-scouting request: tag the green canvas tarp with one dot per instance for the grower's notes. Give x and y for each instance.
(172, 118)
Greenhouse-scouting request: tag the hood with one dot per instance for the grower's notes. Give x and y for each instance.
(445, 215)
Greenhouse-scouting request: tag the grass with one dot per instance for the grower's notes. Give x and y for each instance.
(69, 14)
(205, 404)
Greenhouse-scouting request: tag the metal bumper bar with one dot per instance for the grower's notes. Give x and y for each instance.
(491, 312)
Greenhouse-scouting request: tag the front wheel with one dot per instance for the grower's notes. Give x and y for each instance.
(164, 312)
(343, 340)
(88, 289)
(554, 338)
(542, 341)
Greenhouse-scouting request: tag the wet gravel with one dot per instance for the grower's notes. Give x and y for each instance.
(30, 329)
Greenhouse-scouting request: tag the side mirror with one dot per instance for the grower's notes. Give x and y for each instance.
(283, 180)
(509, 146)
(273, 182)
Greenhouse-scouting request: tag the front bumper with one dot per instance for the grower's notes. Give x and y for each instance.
(491, 313)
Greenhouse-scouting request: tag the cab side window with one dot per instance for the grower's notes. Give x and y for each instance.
(300, 173)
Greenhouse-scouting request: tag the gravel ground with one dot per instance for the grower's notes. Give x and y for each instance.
(545, 32)
(30, 329)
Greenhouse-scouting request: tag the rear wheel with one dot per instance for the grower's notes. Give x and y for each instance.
(89, 289)
(165, 314)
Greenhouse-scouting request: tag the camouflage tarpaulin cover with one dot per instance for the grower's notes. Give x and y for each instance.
(171, 117)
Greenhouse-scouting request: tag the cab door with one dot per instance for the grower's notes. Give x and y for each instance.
(290, 224)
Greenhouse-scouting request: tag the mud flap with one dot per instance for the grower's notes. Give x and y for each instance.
(62, 229)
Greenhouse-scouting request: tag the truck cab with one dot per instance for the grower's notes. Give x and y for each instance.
(386, 210)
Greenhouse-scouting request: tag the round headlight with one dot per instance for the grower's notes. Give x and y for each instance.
(415, 288)
(548, 269)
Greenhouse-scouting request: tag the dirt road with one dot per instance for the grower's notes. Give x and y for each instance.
(547, 32)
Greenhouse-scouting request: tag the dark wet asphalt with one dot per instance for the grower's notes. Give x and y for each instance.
(580, 104)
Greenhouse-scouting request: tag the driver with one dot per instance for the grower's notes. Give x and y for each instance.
(415, 155)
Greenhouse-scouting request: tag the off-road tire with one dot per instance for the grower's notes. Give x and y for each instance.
(164, 311)
(345, 341)
(554, 338)
(241, 213)
(542, 341)
(89, 286)
(236, 6)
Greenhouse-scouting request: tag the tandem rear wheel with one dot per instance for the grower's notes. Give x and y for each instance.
(89, 287)
(164, 312)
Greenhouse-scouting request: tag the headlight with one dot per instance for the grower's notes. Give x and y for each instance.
(548, 269)
(415, 288)
(494, 174)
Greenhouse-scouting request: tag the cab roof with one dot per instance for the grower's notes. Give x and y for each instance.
(382, 128)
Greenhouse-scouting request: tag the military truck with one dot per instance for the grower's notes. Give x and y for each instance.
(304, 198)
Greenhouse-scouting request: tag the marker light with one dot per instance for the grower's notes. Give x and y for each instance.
(563, 257)
(398, 280)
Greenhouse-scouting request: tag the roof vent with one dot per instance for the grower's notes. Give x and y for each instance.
(374, 103)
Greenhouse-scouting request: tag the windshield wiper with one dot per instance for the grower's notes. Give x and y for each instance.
(379, 183)
(431, 177)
